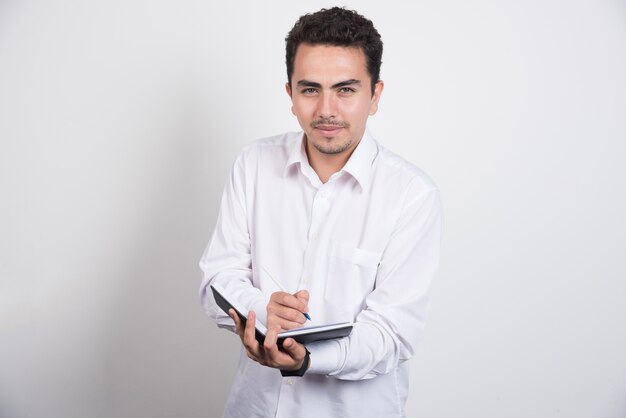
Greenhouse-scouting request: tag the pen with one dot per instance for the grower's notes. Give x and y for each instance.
(280, 286)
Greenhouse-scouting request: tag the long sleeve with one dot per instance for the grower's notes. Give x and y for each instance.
(387, 331)
(227, 258)
(365, 244)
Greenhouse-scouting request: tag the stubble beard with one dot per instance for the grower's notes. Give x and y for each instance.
(332, 150)
(328, 148)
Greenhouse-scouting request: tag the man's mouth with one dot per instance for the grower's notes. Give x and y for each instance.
(328, 130)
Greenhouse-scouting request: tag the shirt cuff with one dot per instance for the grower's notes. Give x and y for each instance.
(325, 356)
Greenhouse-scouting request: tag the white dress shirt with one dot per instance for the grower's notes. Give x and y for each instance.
(365, 244)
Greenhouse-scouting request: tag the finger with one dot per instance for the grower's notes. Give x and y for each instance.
(252, 356)
(294, 349)
(303, 295)
(283, 315)
(270, 339)
(288, 325)
(249, 337)
(273, 356)
(289, 301)
(235, 318)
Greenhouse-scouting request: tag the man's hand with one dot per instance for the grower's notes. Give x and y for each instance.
(268, 354)
(287, 311)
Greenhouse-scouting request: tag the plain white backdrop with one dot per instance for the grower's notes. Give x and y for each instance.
(119, 122)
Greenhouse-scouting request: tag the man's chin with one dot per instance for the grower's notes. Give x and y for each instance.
(329, 148)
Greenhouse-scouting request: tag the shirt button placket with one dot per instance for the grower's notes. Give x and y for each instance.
(286, 394)
(318, 212)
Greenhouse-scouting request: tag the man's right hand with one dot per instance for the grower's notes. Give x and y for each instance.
(286, 310)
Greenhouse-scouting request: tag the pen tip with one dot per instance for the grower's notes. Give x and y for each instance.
(306, 315)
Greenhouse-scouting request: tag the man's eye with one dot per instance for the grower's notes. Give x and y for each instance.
(309, 90)
(346, 90)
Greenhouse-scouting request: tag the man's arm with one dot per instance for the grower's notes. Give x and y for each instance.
(387, 331)
(227, 259)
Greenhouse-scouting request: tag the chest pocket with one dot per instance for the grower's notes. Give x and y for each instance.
(351, 277)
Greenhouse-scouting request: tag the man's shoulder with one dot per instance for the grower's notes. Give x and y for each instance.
(398, 169)
(268, 153)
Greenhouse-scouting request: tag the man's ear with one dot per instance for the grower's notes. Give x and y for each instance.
(288, 90)
(378, 90)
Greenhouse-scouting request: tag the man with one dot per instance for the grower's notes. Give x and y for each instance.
(349, 229)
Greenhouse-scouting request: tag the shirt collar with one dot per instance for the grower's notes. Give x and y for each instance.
(297, 153)
(359, 165)
(298, 158)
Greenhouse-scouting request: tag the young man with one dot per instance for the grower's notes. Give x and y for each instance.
(349, 229)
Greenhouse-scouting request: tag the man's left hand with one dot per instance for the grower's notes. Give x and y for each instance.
(268, 354)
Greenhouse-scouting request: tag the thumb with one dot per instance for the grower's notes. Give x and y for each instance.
(295, 350)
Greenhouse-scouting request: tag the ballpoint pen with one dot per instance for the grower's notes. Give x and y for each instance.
(280, 286)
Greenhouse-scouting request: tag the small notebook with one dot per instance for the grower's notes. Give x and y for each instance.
(302, 335)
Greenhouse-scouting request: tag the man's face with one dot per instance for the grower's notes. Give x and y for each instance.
(331, 97)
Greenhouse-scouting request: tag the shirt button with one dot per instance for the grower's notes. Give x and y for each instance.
(289, 382)
(313, 236)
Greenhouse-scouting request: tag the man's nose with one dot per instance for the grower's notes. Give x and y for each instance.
(327, 106)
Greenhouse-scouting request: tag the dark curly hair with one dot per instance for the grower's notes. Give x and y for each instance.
(338, 27)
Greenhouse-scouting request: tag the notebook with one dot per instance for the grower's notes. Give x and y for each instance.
(303, 335)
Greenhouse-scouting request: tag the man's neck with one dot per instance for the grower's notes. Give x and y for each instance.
(325, 165)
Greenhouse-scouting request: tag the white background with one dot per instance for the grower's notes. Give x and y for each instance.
(119, 122)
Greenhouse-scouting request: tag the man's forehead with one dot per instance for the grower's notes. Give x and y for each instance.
(306, 47)
(331, 62)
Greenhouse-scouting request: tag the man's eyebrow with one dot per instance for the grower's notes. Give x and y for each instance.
(307, 83)
(350, 82)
